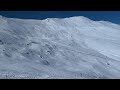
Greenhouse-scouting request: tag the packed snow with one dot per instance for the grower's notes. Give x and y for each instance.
(59, 48)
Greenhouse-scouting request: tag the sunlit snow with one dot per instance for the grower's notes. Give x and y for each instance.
(66, 48)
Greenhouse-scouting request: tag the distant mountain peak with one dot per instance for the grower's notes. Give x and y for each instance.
(1, 16)
(82, 18)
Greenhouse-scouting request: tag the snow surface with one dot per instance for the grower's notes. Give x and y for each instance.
(54, 48)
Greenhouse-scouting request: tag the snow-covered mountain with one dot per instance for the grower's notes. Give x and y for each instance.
(74, 47)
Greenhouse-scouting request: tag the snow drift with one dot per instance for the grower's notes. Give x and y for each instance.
(74, 47)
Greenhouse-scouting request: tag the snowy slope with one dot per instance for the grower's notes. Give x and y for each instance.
(74, 47)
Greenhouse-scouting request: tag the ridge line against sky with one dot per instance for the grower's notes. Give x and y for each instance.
(111, 16)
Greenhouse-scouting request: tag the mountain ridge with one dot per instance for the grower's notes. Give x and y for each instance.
(75, 47)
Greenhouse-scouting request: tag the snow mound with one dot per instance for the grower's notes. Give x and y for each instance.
(74, 47)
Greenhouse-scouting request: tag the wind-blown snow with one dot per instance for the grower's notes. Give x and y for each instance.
(74, 47)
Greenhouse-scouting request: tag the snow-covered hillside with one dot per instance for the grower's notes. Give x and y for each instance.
(74, 47)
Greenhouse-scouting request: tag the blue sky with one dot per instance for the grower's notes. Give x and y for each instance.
(112, 16)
